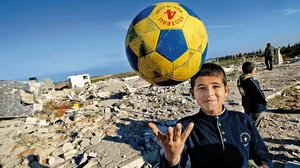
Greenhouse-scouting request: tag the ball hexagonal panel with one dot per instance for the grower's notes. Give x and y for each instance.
(171, 44)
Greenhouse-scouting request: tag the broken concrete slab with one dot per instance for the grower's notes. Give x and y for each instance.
(11, 101)
(47, 86)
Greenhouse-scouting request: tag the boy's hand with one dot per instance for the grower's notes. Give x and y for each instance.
(173, 143)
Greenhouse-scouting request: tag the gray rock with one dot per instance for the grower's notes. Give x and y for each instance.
(67, 147)
(84, 143)
(95, 140)
(10, 96)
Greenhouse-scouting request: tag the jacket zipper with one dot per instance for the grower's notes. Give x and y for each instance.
(220, 134)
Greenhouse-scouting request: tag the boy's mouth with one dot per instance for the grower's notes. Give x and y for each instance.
(209, 101)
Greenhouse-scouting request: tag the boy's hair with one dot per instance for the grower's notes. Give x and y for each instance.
(209, 69)
(248, 67)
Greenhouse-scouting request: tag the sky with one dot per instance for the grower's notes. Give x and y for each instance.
(42, 38)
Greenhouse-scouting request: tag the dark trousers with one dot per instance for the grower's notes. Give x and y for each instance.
(268, 62)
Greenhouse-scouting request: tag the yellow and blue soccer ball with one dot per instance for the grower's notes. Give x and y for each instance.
(166, 43)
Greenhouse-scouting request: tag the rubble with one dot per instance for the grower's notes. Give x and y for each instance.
(105, 124)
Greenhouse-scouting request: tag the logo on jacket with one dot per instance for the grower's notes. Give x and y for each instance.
(245, 138)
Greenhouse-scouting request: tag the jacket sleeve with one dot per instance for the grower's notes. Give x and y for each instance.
(182, 163)
(258, 150)
(257, 92)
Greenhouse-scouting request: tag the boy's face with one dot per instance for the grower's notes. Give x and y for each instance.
(210, 93)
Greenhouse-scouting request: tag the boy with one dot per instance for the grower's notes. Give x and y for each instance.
(214, 137)
(253, 99)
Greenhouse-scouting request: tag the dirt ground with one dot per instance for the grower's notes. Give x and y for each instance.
(281, 127)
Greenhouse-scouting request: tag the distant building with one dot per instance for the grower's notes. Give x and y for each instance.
(79, 80)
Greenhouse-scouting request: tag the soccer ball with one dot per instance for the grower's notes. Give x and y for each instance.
(166, 43)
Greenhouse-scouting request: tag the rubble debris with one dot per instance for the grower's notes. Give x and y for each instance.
(105, 124)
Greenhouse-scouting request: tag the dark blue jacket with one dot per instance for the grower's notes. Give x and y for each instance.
(253, 98)
(227, 140)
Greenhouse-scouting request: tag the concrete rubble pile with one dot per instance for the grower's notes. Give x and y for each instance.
(110, 112)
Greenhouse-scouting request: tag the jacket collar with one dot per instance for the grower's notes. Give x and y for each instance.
(219, 117)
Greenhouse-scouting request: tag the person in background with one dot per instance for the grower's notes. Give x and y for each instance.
(269, 56)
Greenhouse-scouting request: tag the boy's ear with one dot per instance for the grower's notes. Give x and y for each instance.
(226, 90)
(192, 93)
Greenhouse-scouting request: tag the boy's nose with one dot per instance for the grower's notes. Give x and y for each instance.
(210, 91)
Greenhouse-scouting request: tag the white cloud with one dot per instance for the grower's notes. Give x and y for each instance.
(223, 26)
(289, 11)
(122, 24)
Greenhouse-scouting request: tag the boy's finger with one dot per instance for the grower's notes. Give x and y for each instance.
(153, 128)
(178, 130)
(187, 132)
(159, 135)
(170, 134)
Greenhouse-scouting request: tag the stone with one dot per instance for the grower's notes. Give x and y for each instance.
(138, 161)
(43, 123)
(42, 130)
(85, 142)
(30, 121)
(67, 147)
(95, 140)
(37, 107)
(90, 164)
(68, 155)
(41, 154)
(58, 161)
(27, 98)
(92, 154)
(57, 152)
(51, 161)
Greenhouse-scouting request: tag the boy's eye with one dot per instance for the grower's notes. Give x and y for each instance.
(217, 86)
(201, 88)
